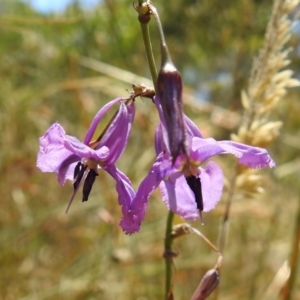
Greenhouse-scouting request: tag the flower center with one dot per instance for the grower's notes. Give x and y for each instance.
(190, 168)
(187, 165)
(90, 163)
(80, 170)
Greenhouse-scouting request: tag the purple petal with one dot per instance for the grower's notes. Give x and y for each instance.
(254, 157)
(117, 134)
(101, 113)
(66, 169)
(192, 129)
(133, 217)
(203, 149)
(176, 193)
(212, 185)
(180, 199)
(53, 155)
(131, 114)
(161, 139)
(161, 134)
(159, 109)
(178, 196)
(59, 153)
(83, 151)
(123, 185)
(129, 222)
(161, 168)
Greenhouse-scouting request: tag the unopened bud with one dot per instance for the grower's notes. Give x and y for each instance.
(170, 296)
(169, 90)
(207, 285)
(144, 12)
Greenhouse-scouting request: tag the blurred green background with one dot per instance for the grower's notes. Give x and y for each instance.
(48, 72)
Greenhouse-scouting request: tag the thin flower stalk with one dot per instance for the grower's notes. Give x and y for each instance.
(168, 86)
(211, 279)
(144, 17)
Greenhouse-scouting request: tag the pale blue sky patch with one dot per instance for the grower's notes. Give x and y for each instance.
(47, 6)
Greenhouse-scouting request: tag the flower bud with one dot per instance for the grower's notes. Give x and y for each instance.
(169, 90)
(180, 230)
(207, 285)
(144, 12)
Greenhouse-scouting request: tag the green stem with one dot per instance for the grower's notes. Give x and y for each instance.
(225, 219)
(149, 52)
(164, 48)
(152, 66)
(168, 254)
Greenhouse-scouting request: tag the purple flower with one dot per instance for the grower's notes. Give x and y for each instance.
(190, 185)
(73, 160)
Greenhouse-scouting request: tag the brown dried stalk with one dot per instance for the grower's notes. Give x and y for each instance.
(267, 86)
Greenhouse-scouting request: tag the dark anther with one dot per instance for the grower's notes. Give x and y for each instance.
(88, 183)
(77, 169)
(78, 173)
(195, 185)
